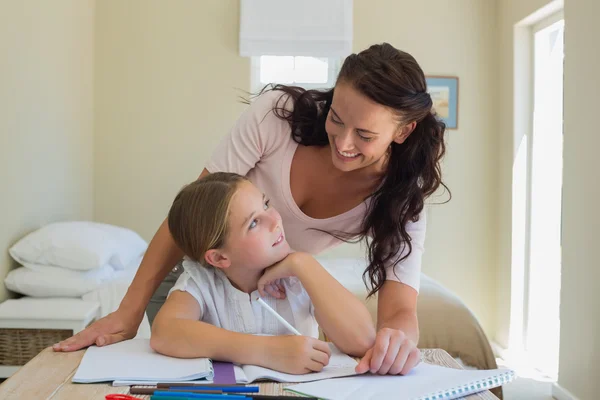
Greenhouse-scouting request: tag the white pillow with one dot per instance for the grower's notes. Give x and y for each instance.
(48, 281)
(79, 245)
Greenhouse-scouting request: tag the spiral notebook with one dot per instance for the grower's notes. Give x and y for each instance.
(425, 382)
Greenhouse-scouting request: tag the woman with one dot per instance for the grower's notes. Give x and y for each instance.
(354, 162)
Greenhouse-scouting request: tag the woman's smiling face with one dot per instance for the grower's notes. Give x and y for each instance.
(360, 130)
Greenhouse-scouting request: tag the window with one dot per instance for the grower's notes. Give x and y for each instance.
(542, 329)
(537, 198)
(307, 72)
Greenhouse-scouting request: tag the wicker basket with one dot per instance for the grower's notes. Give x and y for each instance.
(18, 346)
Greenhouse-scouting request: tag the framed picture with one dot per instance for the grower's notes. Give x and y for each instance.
(444, 93)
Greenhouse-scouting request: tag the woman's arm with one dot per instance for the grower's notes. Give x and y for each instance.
(344, 318)
(395, 350)
(177, 332)
(397, 309)
(160, 258)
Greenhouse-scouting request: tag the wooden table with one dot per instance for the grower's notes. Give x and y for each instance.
(48, 377)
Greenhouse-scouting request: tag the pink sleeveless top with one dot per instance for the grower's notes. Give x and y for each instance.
(260, 146)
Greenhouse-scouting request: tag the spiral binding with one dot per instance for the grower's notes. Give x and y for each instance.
(473, 387)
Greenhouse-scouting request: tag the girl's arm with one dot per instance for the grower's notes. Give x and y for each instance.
(343, 317)
(177, 332)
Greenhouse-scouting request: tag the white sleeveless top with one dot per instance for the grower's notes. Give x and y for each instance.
(226, 307)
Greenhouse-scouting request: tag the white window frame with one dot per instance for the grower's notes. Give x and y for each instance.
(333, 68)
(523, 108)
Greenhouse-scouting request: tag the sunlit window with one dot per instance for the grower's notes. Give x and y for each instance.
(307, 72)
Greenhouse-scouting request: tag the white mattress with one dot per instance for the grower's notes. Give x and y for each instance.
(107, 290)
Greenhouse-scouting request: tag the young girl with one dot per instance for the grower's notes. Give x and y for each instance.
(236, 247)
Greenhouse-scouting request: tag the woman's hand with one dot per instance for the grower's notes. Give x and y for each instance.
(270, 281)
(113, 328)
(392, 354)
(296, 354)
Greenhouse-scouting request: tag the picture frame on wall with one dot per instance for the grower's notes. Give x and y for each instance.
(444, 94)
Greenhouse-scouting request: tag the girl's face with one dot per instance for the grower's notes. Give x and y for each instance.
(360, 131)
(256, 238)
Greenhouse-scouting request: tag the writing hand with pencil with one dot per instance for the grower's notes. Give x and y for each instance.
(296, 354)
(292, 354)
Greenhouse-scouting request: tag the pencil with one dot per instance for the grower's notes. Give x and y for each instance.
(147, 390)
(279, 317)
(188, 395)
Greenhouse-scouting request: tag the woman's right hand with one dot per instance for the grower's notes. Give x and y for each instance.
(113, 328)
(297, 354)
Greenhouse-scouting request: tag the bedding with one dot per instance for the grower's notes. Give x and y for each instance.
(445, 322)
(47, 281)
(104, 286)
(79, 245)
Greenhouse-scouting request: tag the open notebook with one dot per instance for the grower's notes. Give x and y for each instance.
(134, 362)
(425, 382)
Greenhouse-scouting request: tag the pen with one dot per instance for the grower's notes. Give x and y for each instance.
(191, 383)
(196, 389)
(147, 390)
(279, 317)
(224, 389)
(188, 395)
(166, 398)
(251, 397)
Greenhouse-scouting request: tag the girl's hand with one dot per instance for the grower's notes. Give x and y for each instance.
(297, 354)
(270, 282)
(392, 354)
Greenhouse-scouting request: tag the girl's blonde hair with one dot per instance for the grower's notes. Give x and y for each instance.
(199, 214)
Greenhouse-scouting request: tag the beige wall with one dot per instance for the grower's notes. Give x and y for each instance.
(165, 79)
(46, 117)
(580, 293)
(453, 38)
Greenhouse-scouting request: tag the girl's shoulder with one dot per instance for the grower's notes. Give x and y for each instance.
(200, 274)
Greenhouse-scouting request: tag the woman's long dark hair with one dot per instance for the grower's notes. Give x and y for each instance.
(394, 79)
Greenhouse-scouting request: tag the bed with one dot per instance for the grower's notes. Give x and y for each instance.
(445, 322)
(106, 291)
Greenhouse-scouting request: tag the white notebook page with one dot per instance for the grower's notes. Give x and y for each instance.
(420, 384)
(135, 360)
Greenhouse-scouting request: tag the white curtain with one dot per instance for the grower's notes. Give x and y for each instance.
(317, 28)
